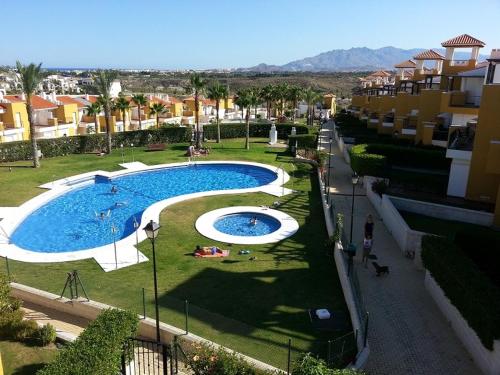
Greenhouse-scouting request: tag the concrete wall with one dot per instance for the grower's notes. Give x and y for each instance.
(91, 309)
(441, 211)
(488, 361)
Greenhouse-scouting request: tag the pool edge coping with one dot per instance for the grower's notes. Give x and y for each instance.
(205, 225)
(129, 254)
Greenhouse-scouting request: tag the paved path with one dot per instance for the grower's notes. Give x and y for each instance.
(407, 333)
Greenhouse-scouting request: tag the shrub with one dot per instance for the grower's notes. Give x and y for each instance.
(79, 144)
(98, 349)
(25, 330)
(365, 164)
(260, 130)
(303, 140)
(411, 156)
(379, 187)
(309, 365)
(46, 335)
(207, 360)
(468, 289)
(10, 323)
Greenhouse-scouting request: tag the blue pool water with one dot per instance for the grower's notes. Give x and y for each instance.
(73, 220)
(240, 224)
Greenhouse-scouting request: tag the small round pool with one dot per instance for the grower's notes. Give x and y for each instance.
(235, 225)
(247, 224)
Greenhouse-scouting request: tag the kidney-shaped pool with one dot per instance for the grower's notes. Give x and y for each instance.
(95, 214)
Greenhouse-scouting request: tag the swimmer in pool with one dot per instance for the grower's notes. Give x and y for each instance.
(253, 220)
(114, 189)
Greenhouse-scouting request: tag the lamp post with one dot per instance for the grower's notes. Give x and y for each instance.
(114, 230)
(136, 227)
(123, 156)
(354, 180)
(329, 167)
(132, 145)
(152, 230)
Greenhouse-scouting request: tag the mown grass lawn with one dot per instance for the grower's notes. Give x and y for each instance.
(252, 306)
(22, 359)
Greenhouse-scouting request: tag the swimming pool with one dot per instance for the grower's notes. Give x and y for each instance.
(91, 215)
(232, 225)
(242, 224)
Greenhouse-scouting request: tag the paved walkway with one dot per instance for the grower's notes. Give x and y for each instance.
(407, 332)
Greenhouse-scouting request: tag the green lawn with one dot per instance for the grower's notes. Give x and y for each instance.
(22, 359)
(249, 306)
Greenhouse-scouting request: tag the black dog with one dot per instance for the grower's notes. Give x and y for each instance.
(380, 269)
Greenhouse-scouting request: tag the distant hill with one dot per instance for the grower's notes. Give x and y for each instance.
(353, 59)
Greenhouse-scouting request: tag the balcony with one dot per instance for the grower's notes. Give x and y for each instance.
(459, 62)
(410, 125)
(464, 99)
(461, 141)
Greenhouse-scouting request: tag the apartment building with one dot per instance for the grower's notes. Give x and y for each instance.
(441, 101)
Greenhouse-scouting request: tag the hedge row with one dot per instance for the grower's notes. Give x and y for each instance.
(468, 289)
(79, 144)
(260, 130)
(374, 159)
(99, 348)
(411, 156)
(303, 140)
(366, 164)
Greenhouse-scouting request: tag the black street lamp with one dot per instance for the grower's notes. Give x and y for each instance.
(354, 180)
(152, 230)
(329, 168)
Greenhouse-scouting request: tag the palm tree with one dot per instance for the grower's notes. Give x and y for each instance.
(103, 81)
(123, 105)
(31, 76)
(280, 92)
(244, 100)
(157, 109)
(197, 84)
(311, 97)
(294, 94)
(141, 101)
(254, 98)
(94, 109)
(266, 94)
(217, 92)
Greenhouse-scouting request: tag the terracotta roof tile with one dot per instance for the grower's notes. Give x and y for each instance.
(429, 55)
(69, 100)
(464, 40)
(406, 64)
(37, 102)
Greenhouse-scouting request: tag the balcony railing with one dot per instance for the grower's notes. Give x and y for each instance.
(459, 62)
(462, 137)
(464, 99)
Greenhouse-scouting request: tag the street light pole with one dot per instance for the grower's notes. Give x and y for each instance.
(151, 230)
(355, 179)
(329, 168)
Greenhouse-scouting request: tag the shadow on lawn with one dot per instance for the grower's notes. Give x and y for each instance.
(275, 299)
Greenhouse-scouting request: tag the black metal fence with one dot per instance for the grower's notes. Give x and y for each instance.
(146, 357)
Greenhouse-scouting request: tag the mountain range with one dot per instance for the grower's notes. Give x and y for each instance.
(353, 59)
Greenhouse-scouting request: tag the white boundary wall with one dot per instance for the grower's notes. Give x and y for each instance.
(488, 361)
(91, 309)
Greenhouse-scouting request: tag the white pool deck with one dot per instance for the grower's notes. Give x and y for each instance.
(126, 250)
(205, 225)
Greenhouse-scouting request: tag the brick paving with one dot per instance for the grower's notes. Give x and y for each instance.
(407, 332)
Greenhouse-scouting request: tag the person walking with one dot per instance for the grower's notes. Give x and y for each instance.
(369, 226)
(367, 249)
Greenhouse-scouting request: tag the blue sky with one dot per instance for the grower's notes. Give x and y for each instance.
(197, 34)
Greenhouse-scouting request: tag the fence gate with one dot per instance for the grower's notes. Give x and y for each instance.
(143, 357)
